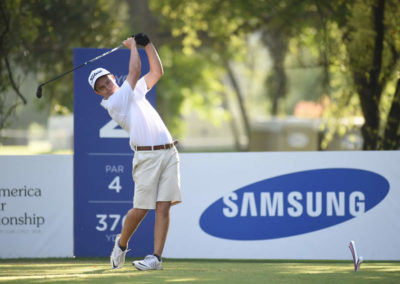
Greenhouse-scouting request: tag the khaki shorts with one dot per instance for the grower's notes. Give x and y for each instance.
(156, 176)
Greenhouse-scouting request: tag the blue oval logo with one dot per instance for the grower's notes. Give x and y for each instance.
(294, 204)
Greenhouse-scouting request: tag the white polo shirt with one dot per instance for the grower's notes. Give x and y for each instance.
(133, 112)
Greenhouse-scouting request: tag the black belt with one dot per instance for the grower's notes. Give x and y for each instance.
(156, 147)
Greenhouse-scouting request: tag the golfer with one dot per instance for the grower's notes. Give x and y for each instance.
(155, 166)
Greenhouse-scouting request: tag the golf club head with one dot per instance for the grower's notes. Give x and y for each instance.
(39, 92)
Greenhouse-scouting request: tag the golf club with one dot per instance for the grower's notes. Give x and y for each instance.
(39, 89)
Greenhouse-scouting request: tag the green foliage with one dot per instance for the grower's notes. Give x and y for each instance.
(362, 59)
(337, 36)
(42, 35)
(327, 49)
(194, 68)
(342, 112)
(214, 23)
(191, 83)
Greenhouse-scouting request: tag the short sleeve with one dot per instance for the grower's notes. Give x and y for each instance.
(140, 89)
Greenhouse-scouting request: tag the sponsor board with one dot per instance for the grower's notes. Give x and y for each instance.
(266, 206)
(36, 208)
(305, 205)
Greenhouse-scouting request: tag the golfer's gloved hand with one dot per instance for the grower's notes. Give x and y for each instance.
(142, 39)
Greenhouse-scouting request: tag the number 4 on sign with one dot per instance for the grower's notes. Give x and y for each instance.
(115, 185)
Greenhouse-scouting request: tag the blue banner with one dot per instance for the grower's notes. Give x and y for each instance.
(103, 185)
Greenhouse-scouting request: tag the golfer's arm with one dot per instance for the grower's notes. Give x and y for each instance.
(156, 69)
(134, 67)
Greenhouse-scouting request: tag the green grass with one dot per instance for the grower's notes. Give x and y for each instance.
(97, 270)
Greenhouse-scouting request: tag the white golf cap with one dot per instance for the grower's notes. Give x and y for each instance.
(96, 74)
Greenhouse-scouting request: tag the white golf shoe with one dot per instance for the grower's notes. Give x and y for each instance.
(117, 258)
(150, 262)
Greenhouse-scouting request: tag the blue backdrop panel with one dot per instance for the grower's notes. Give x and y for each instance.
(103, 186)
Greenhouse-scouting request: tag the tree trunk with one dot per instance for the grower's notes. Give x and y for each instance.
(142, 20)
(277, 81)
(232, 123)
(369, 86)
(7, 110)
(241, 103)
(391, 138)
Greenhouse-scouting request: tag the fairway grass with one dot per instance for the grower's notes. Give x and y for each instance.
(89, 270)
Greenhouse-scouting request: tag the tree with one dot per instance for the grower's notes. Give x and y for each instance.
(372, 44)
(56, 27)
(368, 50)
(6, 108)
(356, 43)
(375, 69)
(38, 37)
(187, 77)
(224, 26)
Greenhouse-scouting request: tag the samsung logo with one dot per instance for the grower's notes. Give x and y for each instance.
(313, 204)
(294, 203)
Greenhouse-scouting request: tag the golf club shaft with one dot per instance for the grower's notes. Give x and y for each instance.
(39, 89)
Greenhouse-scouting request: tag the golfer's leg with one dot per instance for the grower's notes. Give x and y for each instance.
(161, 226)
(132, 221)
